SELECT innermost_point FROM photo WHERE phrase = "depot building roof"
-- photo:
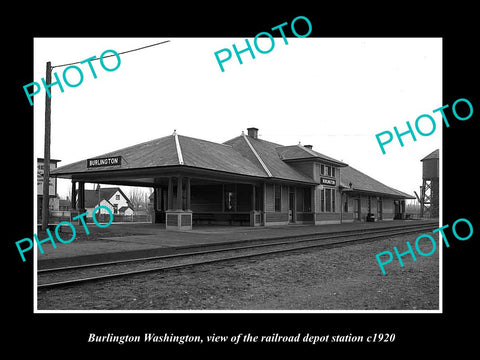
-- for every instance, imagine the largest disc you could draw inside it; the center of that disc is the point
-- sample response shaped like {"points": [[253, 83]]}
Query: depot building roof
{"points": [[353, 180], [245, 156], [161, 156]]}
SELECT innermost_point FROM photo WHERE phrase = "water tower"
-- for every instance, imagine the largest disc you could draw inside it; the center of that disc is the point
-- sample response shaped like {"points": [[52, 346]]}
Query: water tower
{"points": [[430, 189]]}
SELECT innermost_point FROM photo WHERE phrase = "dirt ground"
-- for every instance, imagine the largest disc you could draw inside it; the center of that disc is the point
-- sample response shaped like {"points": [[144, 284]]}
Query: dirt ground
{"points": [[342, 278]]}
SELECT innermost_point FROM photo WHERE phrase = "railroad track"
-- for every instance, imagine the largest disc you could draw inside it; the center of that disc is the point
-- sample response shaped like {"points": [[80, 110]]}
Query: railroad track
{"points": [[80, 274]]}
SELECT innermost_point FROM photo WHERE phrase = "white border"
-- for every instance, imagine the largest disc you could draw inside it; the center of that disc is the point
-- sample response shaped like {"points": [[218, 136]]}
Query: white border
{"points": [[440, 310]]}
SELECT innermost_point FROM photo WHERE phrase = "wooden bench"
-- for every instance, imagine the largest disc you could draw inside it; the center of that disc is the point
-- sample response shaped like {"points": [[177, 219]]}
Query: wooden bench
{"points": [[242, 218]]}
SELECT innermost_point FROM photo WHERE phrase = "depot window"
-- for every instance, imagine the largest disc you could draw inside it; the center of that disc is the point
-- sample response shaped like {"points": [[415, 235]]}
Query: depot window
{"points": [[327, 200], [307, 199], [326, 170], [278, 198]]}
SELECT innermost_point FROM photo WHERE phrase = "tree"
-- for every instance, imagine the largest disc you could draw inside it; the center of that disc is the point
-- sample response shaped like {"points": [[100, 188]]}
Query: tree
{"points": [[137, 198]]}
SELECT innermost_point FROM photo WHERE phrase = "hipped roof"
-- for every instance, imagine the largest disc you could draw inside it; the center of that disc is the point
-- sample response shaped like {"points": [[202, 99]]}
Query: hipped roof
{"points": [[242, 155], [273, 166], [196, 153], [162, 152]]}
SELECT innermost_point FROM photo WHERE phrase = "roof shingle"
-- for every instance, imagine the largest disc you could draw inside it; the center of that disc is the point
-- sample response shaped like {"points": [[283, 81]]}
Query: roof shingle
{"points": [[221, 157], [234, 156], [365, 183], [297, 152], [158, 152]]}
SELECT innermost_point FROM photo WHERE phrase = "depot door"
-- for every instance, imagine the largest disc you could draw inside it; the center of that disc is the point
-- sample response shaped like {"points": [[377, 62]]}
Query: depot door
{"points": [[356, 209], [291, 205], [379, 209]]}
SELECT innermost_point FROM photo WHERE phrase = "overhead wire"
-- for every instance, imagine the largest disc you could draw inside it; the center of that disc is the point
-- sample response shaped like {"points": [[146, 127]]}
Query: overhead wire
{"points": [[123, 52]]}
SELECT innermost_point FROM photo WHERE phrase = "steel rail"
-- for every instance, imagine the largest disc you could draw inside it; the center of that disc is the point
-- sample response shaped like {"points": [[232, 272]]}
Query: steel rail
{"points": [[364, 238], [235, 246]]}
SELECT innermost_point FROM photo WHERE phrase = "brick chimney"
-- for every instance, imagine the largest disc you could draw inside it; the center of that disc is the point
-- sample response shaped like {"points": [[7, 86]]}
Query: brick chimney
{"points": [[253, 132]]}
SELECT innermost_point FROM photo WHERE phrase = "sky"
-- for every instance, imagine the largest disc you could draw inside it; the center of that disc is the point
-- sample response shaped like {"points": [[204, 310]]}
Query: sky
{"points": [[333, 93]]}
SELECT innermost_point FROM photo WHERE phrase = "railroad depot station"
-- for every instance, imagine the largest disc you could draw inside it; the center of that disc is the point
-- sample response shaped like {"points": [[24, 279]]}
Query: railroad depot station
{"points": [[244, 181]]}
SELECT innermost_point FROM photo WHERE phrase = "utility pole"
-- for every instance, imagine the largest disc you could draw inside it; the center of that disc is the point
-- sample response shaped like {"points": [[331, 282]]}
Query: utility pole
{"points": [[46, 156]]}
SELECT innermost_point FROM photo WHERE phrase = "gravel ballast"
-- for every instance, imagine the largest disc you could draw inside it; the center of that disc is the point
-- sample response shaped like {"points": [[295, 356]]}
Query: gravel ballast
{"points": [[341, 278]]}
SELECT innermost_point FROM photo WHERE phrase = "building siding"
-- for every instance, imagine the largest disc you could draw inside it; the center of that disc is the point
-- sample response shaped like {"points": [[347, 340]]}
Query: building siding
{"points": [[277, 217], [327, 218]]}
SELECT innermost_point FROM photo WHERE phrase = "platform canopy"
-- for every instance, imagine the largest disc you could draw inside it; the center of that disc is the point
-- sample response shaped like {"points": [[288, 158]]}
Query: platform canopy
{"points": [[152, 162]]}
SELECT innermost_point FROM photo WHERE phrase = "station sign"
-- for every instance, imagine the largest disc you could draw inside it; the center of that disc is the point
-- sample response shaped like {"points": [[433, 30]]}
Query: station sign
{"points": [[325, 181], [105, 161]]}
